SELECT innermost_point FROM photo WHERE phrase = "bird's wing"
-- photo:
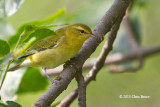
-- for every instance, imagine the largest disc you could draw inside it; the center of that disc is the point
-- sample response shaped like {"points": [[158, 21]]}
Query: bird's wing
{"points": [[46, 43]]}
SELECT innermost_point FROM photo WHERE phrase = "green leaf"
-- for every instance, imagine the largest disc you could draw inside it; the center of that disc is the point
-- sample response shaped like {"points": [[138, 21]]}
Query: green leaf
{"points": [[4, 60], [31, 38], [4, 48], [136, 27], [10, 104], [31, 26], [32, 81], [51, 18], [40, 34]]}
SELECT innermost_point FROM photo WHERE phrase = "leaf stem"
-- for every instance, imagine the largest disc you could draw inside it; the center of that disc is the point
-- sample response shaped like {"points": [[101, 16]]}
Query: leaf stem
{"points": [[15, 49], [5, 73], [13, 56]]}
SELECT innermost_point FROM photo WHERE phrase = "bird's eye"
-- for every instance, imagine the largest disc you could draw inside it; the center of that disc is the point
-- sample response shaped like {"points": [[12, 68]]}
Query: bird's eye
{"points": [[82, 31]]}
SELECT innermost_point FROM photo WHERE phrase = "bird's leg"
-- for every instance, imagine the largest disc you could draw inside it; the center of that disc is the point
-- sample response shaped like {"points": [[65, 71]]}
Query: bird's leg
{"points": [[44, 70]]}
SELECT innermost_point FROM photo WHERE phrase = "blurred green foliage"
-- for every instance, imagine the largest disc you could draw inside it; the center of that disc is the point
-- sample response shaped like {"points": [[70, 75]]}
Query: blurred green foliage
{"points": [[26, 35], [10, 104], [32, 81], [31, 27], [5, 49]]}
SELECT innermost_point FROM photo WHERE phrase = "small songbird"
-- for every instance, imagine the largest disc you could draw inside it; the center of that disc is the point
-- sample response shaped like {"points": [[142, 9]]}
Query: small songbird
{"points": [[55, 50]]}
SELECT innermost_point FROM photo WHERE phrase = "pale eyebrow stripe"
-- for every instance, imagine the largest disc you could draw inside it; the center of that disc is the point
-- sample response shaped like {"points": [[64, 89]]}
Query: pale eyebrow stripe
{"points": [[81, 28]]}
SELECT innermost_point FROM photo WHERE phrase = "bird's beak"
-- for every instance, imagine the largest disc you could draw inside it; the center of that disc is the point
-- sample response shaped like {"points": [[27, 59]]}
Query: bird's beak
{"points": [[92, 35]]}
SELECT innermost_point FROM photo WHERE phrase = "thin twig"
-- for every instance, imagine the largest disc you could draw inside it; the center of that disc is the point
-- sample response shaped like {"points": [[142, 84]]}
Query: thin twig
{"points": [[81, 89], [120, 68], [134, 45], [5, 73], [17, 44], [11, 59], [115, 58]]}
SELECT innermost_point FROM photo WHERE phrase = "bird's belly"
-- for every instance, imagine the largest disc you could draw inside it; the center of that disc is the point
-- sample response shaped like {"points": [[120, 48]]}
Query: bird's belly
{"points": [[57, 60], [52, 58]]}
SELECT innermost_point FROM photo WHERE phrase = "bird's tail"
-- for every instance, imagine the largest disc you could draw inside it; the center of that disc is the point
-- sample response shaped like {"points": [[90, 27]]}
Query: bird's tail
{"points": [[14, 67]]}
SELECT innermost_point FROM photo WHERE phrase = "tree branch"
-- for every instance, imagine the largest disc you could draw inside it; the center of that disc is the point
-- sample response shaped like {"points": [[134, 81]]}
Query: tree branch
{"points": [[117, 10], [99, 63], [134, 45], [116, 58], [81, 89]]}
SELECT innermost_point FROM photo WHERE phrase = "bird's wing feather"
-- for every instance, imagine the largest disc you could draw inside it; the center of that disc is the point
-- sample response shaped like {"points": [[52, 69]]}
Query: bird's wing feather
{"points": [[46, 43]]}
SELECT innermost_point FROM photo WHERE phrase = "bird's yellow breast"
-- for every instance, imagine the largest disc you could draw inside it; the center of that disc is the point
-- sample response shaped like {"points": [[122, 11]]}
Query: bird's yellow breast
{"points": [[52, 58]]}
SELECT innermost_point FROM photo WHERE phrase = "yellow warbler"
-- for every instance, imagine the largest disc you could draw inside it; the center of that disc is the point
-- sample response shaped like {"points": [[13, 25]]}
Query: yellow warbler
{"points": [[57, 49]]}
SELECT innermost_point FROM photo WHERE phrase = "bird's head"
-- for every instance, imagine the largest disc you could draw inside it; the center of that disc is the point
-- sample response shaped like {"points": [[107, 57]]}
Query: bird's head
{"points": [[78, 31]]}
